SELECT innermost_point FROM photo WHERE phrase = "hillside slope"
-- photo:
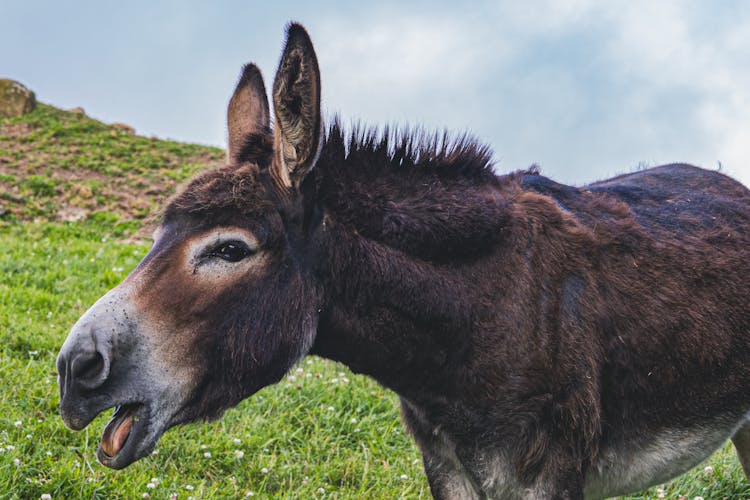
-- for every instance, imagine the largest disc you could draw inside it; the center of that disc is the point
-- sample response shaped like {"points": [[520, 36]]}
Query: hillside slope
{"points": [[62, 165]]}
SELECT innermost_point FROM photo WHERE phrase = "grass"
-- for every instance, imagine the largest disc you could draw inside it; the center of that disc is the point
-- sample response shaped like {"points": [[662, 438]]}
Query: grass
{"points": [[322, 433], [56, 165]]}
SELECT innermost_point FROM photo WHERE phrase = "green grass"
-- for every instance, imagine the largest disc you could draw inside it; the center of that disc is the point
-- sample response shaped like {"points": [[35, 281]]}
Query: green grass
{"points": [[324, 434]]}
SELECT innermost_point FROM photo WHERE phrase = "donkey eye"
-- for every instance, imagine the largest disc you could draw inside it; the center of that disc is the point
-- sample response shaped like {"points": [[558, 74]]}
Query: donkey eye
{"points": [[231, 251]]}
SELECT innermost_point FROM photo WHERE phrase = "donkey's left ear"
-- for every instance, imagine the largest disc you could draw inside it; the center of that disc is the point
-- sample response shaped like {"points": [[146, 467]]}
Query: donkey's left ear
{"points": [[296, 103]]}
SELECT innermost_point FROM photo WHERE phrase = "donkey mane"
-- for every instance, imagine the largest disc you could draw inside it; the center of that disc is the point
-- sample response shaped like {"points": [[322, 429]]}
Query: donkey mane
{"points": [[409, 148], [429, 195]]}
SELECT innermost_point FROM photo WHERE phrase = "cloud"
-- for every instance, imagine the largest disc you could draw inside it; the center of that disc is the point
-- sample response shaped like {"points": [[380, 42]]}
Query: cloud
{"points": [[668, 47], [384, 66], [587, 89]]}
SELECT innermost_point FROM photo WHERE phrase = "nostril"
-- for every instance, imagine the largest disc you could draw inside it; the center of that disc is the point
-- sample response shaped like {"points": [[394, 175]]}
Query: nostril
{"points": [[62, 370], [89, 369]]}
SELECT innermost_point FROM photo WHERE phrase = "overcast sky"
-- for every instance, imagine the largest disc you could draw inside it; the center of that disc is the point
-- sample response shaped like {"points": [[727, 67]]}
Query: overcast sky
{"points": [[586, 89]]}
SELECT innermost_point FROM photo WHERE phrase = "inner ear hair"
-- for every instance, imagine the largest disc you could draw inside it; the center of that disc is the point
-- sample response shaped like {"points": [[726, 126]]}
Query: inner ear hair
{"points": [[248, 115], [296, 101]]}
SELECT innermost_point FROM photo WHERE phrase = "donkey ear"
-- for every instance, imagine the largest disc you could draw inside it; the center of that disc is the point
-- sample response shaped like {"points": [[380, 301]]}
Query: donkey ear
{"points": [[296, 103], [247, 113]]}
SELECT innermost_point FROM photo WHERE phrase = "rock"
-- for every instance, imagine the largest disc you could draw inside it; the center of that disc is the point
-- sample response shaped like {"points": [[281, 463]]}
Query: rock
{"points": [[78, 111], [71, 214], [123, 127], [15, 99]]}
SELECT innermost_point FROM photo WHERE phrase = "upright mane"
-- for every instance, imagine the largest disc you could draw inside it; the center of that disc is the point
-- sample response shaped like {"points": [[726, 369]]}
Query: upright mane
{"points": [[409, 149], [429, 195]]}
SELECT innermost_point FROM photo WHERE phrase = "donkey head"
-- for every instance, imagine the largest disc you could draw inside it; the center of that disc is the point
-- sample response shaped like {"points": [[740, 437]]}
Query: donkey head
{"points": [[222, 305]]}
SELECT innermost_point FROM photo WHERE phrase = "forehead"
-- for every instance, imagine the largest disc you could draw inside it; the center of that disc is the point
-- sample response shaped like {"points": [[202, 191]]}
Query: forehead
{"points": [[222, 193]]}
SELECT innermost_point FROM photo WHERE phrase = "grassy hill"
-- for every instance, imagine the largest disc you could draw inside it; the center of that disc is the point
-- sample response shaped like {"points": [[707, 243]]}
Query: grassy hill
{"points": [[77, 203], [61, 166]]}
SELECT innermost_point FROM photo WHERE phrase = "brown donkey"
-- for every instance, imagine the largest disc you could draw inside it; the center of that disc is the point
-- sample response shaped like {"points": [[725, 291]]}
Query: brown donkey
{"points": [[546, 341]]}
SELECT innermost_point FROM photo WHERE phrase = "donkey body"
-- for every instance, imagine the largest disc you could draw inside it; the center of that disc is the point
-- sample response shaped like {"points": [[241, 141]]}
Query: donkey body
{"points": [[546, 341]]}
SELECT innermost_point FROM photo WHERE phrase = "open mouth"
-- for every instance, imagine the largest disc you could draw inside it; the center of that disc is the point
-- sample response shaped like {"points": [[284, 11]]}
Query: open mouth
{"points": [[122, 439]]}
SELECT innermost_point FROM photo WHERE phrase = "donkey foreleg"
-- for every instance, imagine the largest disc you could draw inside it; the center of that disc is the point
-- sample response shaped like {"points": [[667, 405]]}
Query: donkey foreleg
{"points": [[447, 481]]}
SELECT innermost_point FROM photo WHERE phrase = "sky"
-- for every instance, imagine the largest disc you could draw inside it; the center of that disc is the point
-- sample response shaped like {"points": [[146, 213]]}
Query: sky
{"points": [[583, 88]]}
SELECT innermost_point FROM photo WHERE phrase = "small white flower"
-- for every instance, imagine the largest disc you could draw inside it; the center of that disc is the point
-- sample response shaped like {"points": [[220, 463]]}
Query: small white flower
{"points": [[203, 447], [189, 487], [342, 374], [353, 420], [264, 470], [207, 454], [46, 496], [16, 462], [10, 447], [146, 495], [155, 480], [321, 490], [249, 494], [291, 378], [237, 440], [403, 477], [331, 408], [697, 498], [660, 493], [18, 423], [299, 371], [334, 381], [708, 469], [239, 453], [49, 453], [309, 361], [151, 486]]}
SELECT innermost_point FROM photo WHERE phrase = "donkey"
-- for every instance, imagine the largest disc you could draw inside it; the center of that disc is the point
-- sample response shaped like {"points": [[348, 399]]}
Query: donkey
{"points": [[546, 341]]}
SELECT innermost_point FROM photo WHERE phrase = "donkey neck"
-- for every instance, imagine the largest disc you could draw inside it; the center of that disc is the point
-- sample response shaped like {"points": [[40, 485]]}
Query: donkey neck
{"points": [[400, 306], [401, 221], [389, 315]]}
